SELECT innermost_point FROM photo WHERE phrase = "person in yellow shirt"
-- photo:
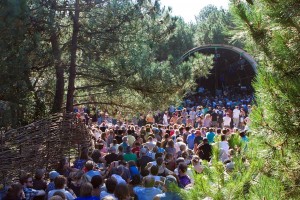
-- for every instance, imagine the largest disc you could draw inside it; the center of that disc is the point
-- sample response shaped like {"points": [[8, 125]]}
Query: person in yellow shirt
{"points": [[150, 118]]}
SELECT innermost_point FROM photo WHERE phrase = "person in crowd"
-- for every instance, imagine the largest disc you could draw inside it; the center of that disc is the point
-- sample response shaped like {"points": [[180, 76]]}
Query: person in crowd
{"points": [[124, 143], [242, 118], [223, 144], [129, 155], [227, 121], [120, 152], [27, 183], [148, 192], [112, 156], [150, 144], [150, 118], [90, 168], [214, 118], [198, 139], [63, 167], [59, 195], [173, 119], [86, 192], [97, 182], [236, 116], [210, 135], [110, 138], [39, 183], [166, 119], [190, 139], [204, 150], [122, 192], [60, 184], [170, 149], [135, 182], [193, 116], [76, 180], [169, 194], [84, 156], [207, 120], [196, 162], [184, 179], [110, 184], [15, 192], [130, 136], [143, 161], [52, 176]]}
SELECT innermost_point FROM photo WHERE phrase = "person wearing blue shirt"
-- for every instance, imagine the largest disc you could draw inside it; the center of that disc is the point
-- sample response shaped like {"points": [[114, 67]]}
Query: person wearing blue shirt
{"points": [[149, 191], [89, 165], [190, 140], [210, 136]]}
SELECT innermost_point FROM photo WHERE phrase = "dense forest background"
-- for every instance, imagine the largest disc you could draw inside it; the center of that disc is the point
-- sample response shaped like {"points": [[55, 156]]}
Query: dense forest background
{"points": [[110, 54], [122, 54]]}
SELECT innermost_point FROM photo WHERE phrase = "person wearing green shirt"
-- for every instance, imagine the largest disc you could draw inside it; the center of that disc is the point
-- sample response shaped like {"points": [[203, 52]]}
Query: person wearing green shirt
{"points": [[129, 155]]}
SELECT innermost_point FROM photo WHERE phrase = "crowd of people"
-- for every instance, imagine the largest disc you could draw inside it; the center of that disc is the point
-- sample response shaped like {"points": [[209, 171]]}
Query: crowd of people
{"points": [[141, 158]]}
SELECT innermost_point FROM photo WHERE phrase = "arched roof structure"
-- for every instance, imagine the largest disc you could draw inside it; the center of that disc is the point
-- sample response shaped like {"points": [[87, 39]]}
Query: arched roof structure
{"points": [[242, 53]]}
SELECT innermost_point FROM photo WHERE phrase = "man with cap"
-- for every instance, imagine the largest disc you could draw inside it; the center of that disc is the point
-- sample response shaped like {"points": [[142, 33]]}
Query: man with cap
{"points": [[144, 160], [168, 195], [52, 176]]}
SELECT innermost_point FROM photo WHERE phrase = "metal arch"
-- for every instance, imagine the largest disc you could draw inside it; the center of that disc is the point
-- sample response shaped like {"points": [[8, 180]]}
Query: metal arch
{"points": [[243, 53]]}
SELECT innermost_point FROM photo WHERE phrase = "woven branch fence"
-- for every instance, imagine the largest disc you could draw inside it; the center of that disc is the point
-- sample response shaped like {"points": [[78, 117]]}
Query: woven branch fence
{"points": [[41, 144]]}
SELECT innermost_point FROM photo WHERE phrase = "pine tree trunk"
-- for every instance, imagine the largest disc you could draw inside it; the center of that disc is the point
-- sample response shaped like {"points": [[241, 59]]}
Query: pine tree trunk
{"points": [[72, 68], [59, 70]]}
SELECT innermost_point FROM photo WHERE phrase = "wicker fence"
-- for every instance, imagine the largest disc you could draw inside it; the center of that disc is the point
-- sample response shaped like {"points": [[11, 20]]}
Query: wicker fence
{"points": [[41, 144]]}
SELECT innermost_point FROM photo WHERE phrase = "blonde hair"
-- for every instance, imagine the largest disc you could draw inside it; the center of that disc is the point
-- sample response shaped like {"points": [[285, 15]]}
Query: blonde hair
{"points": [[207, 116]]}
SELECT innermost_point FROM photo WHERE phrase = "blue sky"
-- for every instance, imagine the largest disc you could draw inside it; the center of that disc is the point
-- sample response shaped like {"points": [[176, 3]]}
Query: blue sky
{"points": [[187, 9]]}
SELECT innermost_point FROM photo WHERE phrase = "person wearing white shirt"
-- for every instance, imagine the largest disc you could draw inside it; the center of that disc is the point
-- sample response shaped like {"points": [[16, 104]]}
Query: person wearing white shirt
{"points": [[227, 121], [236, 116], [223, 144], [193, 115], [165, 119]]}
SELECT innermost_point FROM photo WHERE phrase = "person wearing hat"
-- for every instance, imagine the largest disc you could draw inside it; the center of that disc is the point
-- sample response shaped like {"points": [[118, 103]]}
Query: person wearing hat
{"points": [[52, 176], [168, 195], [143, 161]]}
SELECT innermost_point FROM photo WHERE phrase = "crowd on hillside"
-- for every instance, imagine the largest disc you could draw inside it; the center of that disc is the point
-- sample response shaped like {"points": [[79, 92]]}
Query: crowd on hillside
{"points": [[142, 157]]}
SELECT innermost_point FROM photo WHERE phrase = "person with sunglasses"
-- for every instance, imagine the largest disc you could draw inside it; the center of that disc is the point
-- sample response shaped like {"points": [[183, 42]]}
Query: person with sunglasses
{"points": [[27, 182]]}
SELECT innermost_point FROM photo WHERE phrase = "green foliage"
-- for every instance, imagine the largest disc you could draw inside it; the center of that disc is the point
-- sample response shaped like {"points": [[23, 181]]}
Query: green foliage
{"points": [[248, 180], [212, 26], [127, 58], [273, 29], [234, 141]]}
